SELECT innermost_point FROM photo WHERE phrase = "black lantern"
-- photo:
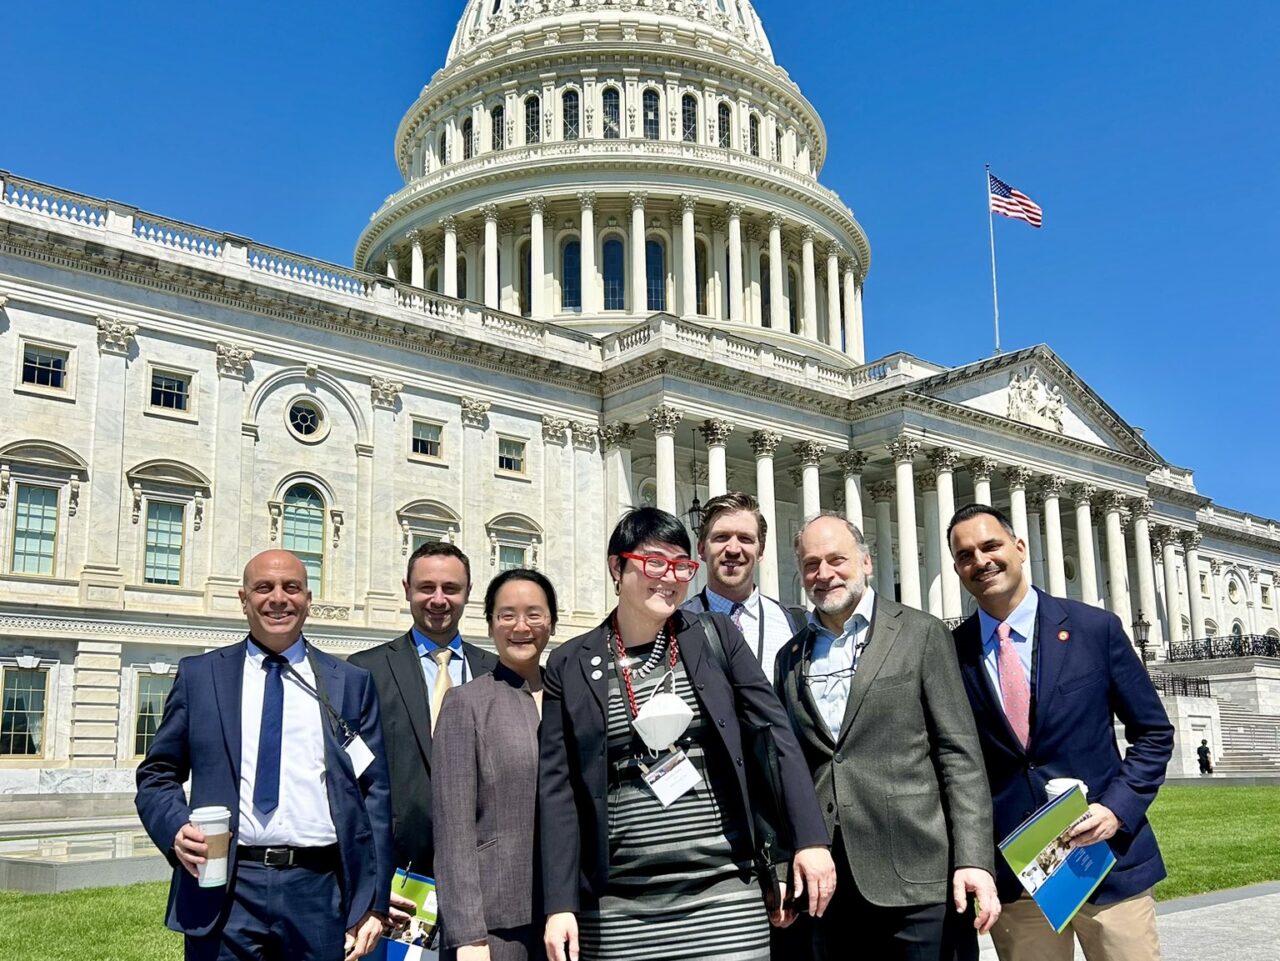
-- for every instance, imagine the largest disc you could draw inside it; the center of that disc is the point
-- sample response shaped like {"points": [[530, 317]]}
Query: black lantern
{"points": [[693, 516], [1141, 633]]}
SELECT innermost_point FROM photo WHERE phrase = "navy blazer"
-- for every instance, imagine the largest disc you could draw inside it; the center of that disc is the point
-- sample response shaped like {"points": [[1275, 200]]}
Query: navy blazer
{"points": [[1087, 674], [199, 737], [573, 769]]}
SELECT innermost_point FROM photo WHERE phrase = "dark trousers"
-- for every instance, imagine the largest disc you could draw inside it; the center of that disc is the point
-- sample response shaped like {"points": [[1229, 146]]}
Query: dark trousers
{"points": [[793, 943], [854, 927], [277, 914]]}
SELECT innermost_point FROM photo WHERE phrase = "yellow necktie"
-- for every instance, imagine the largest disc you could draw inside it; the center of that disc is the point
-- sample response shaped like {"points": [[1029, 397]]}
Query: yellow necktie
{"points": [[443, 681]]}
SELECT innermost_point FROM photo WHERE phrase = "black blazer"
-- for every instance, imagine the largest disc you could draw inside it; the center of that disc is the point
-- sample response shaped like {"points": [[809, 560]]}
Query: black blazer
{"points": [[1086, 676], [573, 770], [406, 725]]}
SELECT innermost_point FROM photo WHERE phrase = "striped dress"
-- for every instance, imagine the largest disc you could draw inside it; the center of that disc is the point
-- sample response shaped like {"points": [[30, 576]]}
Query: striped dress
{"points": [[680, 881]]}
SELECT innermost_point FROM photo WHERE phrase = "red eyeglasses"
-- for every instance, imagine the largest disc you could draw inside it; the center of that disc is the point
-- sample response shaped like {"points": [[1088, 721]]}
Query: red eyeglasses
{"points": [[656, 566]]}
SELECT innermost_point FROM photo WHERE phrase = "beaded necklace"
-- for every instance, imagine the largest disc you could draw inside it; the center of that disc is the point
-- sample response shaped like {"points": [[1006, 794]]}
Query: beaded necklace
{"points": [[654, 658]]}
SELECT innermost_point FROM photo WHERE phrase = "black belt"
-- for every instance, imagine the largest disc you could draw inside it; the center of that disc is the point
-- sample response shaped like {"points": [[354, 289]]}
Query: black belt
{"points": [[284, 856]]}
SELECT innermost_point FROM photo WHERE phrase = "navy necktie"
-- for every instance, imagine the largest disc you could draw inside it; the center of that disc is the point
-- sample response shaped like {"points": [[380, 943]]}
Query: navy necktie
{"points": [[266, 779]]}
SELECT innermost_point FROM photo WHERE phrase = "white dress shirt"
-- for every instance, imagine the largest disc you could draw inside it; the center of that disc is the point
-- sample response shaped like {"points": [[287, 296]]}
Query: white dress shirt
{"points": [[303, 818], [1022, 628], [777, 626], [835, 659]]}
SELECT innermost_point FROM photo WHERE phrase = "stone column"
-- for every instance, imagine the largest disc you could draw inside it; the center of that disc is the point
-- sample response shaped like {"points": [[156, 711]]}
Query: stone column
{"points": [[810, 454], [1252, 604], [616, 440], [1140, 509], [715, 433], [927, 488], [1051, 490], [417, 271], [851, 463], [1215, 585], [1167, 539], [903, 450], [857, 316], [587, 246], [764, 443], [475, 467], [688, 257], [833, 295], [809, 315], [777, 276], [735, 263], [664, 419], [639, 272], [882, 495], [1117, 560], [378, 530], [852, 331], [944, 461], [1083, 494], [449, 282], [1016, 478], [1191, 563], [391, 264], [95, 703], [491, 292], [537, 258], [1035, 546], [754, 280], [982, 468]]}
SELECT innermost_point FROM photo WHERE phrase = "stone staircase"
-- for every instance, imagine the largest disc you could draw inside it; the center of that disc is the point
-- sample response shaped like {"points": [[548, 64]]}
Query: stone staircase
{"points": [[1250, 742]]}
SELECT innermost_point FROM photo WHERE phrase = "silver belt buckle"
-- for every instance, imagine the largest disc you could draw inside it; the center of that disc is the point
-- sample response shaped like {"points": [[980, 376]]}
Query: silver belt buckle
{"points": [[278, 857]]}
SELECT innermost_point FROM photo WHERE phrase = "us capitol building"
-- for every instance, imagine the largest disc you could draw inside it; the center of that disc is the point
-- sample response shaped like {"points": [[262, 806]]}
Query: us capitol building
{"points": [[612, 277]]}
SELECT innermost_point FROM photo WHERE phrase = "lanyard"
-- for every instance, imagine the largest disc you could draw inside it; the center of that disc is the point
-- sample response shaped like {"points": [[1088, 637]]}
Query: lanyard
{"points": [[626, 671], [314, 690], [706, 606]]}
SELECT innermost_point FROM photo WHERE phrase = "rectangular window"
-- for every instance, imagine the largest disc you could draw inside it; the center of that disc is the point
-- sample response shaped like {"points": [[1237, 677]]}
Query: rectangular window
{"points": [[163, 564], [426, 439], [35, 529], [419, 539], [509, 558], [1265, 595], [170, 391], [44, 367], [1204, 585], [511, 455], [22, 712], [153, 689]]}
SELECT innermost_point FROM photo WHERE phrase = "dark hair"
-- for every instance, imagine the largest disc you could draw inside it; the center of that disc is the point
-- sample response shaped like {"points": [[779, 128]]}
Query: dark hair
{"points": [[519, 574], [647, 525], [970, 511], [438, 549], [727, 504]]}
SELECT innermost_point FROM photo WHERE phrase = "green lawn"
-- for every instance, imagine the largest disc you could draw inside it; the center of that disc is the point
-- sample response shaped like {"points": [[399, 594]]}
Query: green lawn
{"points": [[1212, 838]]}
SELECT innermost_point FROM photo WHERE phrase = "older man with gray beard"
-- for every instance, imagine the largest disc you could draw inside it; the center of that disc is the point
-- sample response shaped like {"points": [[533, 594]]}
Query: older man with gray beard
{"points": [[874, 693]]}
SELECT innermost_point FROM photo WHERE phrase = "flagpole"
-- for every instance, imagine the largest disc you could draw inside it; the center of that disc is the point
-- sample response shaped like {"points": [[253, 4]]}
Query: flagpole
{"points": [[991, 229]]}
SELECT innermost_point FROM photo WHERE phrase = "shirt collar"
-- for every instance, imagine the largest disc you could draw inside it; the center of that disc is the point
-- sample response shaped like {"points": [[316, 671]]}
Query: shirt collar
{"points": [[722, 605], [295, 653], [1022, 620], [866, 607], [425, 645]]}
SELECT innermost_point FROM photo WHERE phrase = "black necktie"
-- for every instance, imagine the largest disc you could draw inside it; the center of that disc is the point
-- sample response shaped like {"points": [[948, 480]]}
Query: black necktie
{"points": [[266, 781]]}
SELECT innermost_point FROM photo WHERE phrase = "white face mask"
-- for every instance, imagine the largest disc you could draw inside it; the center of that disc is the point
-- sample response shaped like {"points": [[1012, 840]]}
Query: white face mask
{"points": [[663, 719]]}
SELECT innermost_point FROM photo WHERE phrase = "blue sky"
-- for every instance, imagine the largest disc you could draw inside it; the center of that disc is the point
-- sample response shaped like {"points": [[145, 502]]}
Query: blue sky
{"points": [[1144, 129]]}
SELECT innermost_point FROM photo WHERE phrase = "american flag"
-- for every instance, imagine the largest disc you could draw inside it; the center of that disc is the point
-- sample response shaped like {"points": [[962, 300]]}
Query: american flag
{"points": [[1008, 202]]}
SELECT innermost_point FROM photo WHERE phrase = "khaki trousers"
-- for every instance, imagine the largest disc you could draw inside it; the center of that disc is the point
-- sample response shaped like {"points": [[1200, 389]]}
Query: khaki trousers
{"points": [[1123, 931]]}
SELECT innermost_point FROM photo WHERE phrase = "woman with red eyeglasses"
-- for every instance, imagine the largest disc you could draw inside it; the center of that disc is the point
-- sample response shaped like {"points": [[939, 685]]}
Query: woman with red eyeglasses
{"points": [[642, 793]]}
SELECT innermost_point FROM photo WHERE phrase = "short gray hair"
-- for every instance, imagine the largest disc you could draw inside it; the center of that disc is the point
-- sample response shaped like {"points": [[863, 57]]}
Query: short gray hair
{"points": [[853, 529]]}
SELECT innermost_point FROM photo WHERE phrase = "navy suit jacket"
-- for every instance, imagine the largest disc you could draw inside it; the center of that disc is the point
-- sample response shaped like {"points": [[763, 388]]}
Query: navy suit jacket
{"points": [[1087, 674], [199, 737]]}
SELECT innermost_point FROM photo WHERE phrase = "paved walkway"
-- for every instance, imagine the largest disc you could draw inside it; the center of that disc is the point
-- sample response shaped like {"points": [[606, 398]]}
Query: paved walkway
{"points": [[1238, 925]]}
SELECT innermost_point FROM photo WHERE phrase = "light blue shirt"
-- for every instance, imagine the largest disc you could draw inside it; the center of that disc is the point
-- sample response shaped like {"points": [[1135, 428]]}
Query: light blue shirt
{"points": [[457, 663], [1022, 624], [835, 660]]}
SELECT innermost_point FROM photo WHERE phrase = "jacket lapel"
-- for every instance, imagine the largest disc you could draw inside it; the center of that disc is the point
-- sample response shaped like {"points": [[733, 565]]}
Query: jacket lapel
{"points": [[881, 634], [1051, 653], [228, 684], [974, 670], [593, 660], [804, 692], [479, 661], [406, 668]]}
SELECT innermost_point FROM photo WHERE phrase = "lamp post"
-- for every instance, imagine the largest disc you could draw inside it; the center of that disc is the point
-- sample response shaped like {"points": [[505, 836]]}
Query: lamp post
{"points": [[693, 516], [1141, 632]]}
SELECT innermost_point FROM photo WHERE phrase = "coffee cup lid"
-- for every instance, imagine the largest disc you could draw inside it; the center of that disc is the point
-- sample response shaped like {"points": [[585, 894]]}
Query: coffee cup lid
{"points": [[213, 813]]}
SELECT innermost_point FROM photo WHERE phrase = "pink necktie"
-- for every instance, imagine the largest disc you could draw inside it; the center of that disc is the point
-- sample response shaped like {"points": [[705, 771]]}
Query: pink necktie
{"points": [[1014, 689]]}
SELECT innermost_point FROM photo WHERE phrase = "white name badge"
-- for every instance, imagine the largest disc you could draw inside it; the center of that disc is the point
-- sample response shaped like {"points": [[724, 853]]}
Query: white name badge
{"points": [[361, 756], [671, 778]]}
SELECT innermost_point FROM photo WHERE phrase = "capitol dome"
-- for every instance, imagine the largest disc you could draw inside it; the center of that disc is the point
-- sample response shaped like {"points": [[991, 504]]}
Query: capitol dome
{"points": [[590, 163]]}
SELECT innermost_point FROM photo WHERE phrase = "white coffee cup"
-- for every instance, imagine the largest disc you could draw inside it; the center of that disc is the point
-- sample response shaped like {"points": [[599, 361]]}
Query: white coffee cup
{"points": [[1059, 786], [215, 824]]}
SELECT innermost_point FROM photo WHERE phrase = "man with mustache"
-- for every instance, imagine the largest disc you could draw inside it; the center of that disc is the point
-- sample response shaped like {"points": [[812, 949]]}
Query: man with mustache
{"points": [[1048, 678], [874, 694], [412, 674]]}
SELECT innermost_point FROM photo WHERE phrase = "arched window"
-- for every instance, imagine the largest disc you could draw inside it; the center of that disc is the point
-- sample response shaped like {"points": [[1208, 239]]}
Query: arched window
{"points": [[700, 278], [651, 123], [461, 279], [612, 114], [572, 112], [1237, 629], [725, 126], [766, 292], [442, 148], [533, 120], [468, 139], [498, 125], [689, 118], [778, 144], [655, 269], [615, 275], [526, 281], [497, 6], [793, 284], [753, 131], [302, 531], [571, 276]]}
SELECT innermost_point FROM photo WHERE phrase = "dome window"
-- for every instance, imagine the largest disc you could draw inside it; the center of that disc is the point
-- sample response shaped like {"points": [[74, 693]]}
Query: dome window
{"points": [[571, 276], [650, 103], [753, 131], [615, 277], [689, 118], [533, 120], [725, 124], [655, 262], [612, 114], [442, 148], [468, 139], [570, 104]]}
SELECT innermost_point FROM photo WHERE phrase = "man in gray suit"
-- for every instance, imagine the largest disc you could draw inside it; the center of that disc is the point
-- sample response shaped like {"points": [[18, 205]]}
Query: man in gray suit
{"points": [[874, 693]]}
